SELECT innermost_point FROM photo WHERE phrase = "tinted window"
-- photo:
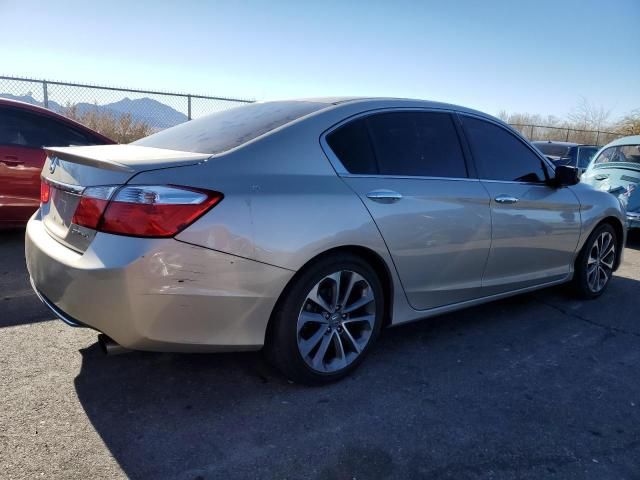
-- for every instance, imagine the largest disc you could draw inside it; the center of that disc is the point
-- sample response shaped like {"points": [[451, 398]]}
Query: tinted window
{"points": [[404, 143], [585, 155], [500, 155], [417, 144], [351, 145], [231, 128], [28, 129]]}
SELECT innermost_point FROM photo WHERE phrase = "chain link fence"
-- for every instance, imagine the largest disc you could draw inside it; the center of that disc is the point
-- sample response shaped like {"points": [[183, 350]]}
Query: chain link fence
{"points": [[127, 114], [565, 134], [120, 113]]}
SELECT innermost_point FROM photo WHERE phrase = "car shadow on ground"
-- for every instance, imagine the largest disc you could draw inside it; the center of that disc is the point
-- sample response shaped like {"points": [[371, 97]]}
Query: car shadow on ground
{"points": [[539, 383], [633, 239], [18, 304]]}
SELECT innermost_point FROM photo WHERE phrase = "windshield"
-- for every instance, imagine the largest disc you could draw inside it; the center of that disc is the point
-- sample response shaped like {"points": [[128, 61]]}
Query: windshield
{"points": [[228, 129], [553, 149], [621, 153], [585, 154]]}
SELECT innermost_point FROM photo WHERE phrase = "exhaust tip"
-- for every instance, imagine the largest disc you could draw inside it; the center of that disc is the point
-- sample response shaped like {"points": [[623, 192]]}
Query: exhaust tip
{"points": [[109, 346]]}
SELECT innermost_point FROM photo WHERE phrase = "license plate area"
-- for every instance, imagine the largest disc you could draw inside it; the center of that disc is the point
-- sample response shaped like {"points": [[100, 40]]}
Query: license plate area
{"points": [[57, 213]]}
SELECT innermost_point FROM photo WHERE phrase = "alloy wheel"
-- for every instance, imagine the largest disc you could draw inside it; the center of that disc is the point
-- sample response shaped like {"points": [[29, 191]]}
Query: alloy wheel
{"points": [[336, 321], [600, 261]]}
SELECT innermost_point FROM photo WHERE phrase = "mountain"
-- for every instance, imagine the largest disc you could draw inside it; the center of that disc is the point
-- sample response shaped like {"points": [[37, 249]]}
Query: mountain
{"points": [[147, 110]]}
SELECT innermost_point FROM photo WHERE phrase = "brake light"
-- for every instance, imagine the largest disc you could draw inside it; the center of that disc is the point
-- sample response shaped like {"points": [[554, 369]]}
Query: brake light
{"points": [[143, 210], [45, 192], [92, 204]]}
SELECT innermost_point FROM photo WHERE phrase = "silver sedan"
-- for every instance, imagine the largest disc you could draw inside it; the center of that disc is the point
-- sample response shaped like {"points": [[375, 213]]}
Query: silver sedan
{"points": [[306, 226]]}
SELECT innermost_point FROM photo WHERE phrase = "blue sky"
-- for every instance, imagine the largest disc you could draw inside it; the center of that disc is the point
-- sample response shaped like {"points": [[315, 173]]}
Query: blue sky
{"points": [[521, 56]]}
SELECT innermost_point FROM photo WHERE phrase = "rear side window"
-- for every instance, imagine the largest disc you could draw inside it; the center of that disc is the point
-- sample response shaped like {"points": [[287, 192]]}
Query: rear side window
{"points": [[26, 129], [351, 145], [400, 143], [500, 155]]}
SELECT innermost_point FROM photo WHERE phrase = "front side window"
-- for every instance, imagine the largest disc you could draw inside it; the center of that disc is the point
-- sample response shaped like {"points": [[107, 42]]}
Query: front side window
{"points": [[622, 153], [400, 144], [500, 155]]}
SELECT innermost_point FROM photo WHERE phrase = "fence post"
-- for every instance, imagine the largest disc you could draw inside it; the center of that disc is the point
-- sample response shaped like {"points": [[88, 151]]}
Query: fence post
{"points": [[531, 134], [567, 137], [45, 94], [597, 137], [189, 107]]}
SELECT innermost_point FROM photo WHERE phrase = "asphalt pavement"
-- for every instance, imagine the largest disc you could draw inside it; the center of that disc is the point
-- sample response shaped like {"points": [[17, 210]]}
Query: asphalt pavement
{"points": [[535, 386]]}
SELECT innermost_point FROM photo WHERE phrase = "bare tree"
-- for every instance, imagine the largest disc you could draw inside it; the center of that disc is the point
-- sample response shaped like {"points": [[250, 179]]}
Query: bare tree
{"points": [[587, 116]]}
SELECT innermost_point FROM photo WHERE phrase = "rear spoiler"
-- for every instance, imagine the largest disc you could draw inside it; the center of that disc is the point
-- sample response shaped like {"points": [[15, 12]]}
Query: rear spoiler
{"points": [[125, 158], [66, 154]]}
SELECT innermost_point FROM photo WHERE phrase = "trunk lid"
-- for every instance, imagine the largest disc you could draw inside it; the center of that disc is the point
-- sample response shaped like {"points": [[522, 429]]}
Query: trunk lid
{"points": [[69, 170]]}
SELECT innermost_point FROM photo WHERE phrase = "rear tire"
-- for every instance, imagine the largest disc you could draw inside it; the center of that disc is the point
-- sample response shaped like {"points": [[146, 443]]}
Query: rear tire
{"points": [[595, 263], [326, 320]]}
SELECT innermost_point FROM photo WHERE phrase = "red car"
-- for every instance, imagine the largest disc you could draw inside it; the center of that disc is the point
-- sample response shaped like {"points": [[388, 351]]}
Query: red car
{"points": [[24, 130]]}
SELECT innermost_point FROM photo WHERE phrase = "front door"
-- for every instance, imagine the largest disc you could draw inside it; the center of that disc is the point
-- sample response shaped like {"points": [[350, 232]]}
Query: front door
{"points": [[535, 226]]}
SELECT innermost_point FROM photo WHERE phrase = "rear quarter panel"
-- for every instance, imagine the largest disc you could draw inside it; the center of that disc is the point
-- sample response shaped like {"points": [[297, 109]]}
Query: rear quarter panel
{"points": [[283, 203]]}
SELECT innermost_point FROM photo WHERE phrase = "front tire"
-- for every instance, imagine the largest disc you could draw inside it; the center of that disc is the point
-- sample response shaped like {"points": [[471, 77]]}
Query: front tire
{"points": [[327, 320], [595, 264]]}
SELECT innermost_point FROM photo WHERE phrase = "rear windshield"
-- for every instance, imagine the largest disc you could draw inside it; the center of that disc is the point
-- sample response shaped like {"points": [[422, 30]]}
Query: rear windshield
{"points": [[228, 129], [622, 153], [553, 149], [585, 154]]}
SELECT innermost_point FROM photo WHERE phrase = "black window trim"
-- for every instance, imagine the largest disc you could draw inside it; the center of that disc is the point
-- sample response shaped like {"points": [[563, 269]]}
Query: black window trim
{"points": [[546, 162], [343, 172]]}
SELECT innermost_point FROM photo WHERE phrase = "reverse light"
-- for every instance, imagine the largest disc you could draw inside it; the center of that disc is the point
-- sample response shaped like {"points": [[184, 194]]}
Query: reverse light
{"points": [[143, 210]]}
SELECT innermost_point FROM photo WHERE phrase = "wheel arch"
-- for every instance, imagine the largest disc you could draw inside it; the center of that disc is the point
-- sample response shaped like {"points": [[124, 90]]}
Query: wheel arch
{"points": [[617, 226], [370, 256]]}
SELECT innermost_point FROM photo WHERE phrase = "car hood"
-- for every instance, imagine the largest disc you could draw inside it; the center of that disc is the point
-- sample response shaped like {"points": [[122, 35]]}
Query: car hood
{"points": [[622, 182]]}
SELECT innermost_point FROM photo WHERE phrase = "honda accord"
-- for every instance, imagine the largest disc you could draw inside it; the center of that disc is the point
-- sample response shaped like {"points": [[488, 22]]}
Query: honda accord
{"points": [[306, 226]]}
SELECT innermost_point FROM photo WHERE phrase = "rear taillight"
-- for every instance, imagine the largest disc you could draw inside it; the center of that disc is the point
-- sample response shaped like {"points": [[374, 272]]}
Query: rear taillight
{"points": [[144, 210], [45, 192], [92, 204]]}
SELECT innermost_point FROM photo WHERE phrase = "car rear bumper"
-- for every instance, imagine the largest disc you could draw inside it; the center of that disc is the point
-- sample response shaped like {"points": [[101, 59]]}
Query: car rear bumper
{"points": [[155, 294]]}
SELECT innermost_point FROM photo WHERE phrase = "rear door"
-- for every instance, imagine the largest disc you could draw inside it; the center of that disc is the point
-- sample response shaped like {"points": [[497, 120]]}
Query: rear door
{"points": [[535, 226], [409, 169]]}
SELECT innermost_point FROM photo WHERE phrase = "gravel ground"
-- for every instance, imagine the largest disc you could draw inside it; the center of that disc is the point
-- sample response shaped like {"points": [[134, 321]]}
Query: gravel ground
{"points": [[536, 386]]}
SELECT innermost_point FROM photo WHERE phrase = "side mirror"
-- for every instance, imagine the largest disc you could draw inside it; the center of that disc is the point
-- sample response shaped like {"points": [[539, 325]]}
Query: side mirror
{"points": [[566, 176]]}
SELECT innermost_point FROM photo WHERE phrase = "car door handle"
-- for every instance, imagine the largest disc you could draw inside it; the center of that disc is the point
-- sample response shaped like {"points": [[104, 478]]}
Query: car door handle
{"points": [[384, 196], [506, 199], [12, 160]]}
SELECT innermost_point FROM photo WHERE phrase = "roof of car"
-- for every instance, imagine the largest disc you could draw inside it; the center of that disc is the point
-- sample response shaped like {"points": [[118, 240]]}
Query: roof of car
{"points": [[397, 102], [563, 144], [631, 140]]}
